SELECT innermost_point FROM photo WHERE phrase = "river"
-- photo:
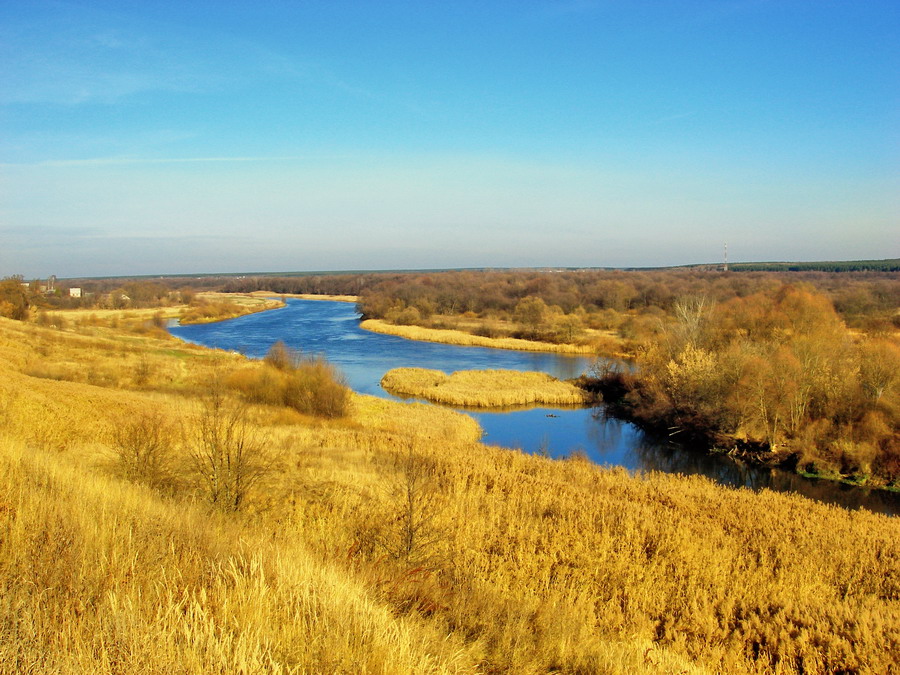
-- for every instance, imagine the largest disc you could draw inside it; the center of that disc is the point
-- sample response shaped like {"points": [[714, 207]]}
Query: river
{"points": [[332, 330]]}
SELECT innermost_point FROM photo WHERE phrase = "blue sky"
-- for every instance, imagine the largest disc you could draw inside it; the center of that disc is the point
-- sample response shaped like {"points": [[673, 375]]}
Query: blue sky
{"points": [[143, 137]]}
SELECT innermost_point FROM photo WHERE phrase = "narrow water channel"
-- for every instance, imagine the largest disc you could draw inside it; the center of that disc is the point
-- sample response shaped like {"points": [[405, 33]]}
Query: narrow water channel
{"points": [[332, 330]]}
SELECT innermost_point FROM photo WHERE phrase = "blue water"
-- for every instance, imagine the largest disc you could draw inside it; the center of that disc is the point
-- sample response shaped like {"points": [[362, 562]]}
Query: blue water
{"points": [[331, 329]]}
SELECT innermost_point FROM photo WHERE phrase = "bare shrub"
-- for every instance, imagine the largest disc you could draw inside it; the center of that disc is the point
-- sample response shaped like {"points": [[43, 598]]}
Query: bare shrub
{"points": [[57, 321], [143, 448], [282, 357], [316, 388], [485, 329], [410, 532], [258, 385], [226, 453], [308, 384], [142, 371], [403, 539], [408, 317]]}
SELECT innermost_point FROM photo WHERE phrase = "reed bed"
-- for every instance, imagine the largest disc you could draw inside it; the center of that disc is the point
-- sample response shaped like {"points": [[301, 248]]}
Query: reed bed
{"points": [[305, 296], [390, 541], [211, 307], [483, 388], [458, 337]]}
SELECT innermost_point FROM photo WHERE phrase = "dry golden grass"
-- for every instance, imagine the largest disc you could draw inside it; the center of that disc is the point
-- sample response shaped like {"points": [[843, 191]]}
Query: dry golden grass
{"points": [[104, 316], [392, 542], [305, 296], [248, 300], [482, 388], [458, 337], [209, 307], [102, 576]]}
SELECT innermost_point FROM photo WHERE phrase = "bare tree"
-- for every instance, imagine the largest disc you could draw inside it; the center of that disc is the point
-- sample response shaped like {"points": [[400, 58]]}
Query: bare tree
{"points": [[412, 534], [226, 453], [692, 313], [142, 444]]}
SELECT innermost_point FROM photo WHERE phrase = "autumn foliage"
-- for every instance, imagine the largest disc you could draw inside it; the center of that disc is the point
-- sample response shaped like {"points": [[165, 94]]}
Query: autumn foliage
{"points": [[308, 384], [13, 299], [777, 369]]}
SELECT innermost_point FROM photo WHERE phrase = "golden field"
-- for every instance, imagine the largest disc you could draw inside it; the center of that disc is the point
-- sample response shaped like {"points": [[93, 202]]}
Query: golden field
{"points": [[389, 541], [482, 388], [205, 307]]}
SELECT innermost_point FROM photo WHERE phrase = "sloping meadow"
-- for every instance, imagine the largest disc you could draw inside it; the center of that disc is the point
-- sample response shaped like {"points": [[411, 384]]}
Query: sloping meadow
{"points": [[390, 541]]}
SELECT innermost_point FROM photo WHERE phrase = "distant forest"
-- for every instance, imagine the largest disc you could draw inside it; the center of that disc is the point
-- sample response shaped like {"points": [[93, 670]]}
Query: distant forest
{"points": [[890, 265], [860, 297], [864, 293]]}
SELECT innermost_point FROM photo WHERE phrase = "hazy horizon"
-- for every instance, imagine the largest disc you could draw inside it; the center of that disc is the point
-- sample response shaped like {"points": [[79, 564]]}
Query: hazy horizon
{"points": [[425, 270], [224, 137]]}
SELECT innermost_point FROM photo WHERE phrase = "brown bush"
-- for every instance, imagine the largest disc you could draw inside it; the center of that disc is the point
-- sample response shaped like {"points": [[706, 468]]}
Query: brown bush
{"points": [[282, 357], [308, 384], [316, 388], [143, 448], [886, 465], [226, 451]]}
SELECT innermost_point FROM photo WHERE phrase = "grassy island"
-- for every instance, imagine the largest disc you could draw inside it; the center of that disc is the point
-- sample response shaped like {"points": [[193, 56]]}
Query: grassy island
{"points": [[482, 388], [458, 337]]}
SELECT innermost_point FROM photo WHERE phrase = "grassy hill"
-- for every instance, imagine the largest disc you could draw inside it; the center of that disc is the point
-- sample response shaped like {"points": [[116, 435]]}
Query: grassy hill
{"points": [[387, 540]]}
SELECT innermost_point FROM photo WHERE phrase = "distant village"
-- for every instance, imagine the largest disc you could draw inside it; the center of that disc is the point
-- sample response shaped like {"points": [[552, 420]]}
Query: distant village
{"points": [[50, 288], [106, 293]]}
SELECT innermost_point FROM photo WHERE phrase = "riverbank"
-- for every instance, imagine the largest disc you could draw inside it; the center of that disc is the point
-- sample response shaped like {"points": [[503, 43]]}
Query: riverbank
{"points": [[483, 388], [621, 395], [461, 338], [305, 296], [447, 336], [211, 307]]}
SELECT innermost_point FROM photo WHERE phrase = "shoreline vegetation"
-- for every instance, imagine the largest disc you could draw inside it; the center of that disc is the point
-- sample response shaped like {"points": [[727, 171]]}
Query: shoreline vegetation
{"points": [[775, 378], [385, 539], [618, 391], [794, 369], [713, 442], [483, 388], [799, 370], [302, 296], [462, 338], [213, 307]]}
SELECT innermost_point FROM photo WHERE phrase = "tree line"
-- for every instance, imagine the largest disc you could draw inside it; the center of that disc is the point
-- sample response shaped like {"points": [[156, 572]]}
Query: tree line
{"points": [[867, 300], [777, 371]]}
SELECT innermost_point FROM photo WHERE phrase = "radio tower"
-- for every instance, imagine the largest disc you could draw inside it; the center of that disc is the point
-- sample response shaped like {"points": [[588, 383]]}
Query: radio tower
{"points": [[725, 266]]}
